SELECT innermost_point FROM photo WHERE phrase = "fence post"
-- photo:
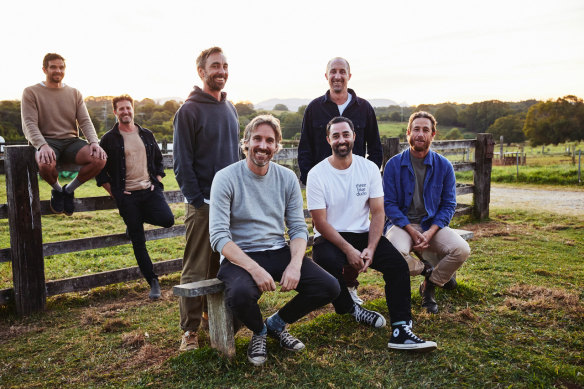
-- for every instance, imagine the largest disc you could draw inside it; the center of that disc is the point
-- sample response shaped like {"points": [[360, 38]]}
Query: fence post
{"points": [[390, 148], [482, 175], [24, 219]]}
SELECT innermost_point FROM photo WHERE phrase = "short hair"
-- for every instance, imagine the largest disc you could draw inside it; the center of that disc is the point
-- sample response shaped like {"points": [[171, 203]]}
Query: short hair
{"points": [[422, 115], [202, 58], [254, 124], [116, 100], [328, 65], [51, 57], [339, 119]]}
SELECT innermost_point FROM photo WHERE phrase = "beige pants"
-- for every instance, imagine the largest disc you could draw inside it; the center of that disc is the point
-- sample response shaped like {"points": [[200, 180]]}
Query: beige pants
{"points": [[199, 263], [447, 252]]}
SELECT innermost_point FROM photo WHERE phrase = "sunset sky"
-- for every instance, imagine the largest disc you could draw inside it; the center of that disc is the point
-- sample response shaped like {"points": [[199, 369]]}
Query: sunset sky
{"points": [[414, 52]]}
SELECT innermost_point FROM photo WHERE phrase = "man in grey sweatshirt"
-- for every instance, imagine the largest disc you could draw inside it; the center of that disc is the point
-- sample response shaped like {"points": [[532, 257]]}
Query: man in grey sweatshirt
{"points": [[206, 139], [252, 203]]}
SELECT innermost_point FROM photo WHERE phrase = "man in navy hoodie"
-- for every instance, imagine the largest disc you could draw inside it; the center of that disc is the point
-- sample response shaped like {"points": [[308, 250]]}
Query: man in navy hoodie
{"points": [[206, 139]]}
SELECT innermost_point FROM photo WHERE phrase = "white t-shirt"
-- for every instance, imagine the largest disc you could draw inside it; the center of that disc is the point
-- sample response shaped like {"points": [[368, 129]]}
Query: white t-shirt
{"points": [[344, 194], [344, 105]]}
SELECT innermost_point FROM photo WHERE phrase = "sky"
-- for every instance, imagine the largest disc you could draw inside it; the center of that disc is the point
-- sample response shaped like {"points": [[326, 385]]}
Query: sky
{"points": [[420, 52]]}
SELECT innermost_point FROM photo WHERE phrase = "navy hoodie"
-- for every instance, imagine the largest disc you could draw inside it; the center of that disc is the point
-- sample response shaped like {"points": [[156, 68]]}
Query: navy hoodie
{"points": [[206, 139]]}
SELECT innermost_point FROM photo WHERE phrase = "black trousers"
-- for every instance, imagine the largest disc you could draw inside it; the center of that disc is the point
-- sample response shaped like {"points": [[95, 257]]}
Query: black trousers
{"points": [[386, 259], [315, 288], [144, 206]]}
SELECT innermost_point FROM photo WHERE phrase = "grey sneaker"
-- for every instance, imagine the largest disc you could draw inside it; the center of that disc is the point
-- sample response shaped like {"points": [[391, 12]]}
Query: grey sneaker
{"points": [[287, 341], [257, 352], [402, 338], [154, 290], [353, 292], [371, 318]]}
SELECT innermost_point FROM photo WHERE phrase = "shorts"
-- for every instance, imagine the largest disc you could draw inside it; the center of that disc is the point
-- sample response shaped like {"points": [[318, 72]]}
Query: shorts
{"points": [[66, 149]]}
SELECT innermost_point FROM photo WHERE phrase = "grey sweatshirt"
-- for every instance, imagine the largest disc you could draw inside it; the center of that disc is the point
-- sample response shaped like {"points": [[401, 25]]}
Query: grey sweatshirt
{"points": [[206, 139], [252, 210]]}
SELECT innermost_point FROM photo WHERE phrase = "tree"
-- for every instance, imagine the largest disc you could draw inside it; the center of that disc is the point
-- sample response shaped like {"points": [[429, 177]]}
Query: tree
{"points": [[510, 127], [447, 116], [477, 117], [454, 133], [244, 108], [280, 107], [291, 123], [301, 109], [555, 121], [395, 117]]}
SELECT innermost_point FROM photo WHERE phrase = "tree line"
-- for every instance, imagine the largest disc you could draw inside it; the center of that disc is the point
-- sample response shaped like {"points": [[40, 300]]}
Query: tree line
{"points": [[539, 122]]}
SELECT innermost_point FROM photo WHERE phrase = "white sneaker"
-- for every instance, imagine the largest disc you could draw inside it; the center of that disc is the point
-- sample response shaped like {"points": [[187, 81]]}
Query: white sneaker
{"points": [[353, 292]]}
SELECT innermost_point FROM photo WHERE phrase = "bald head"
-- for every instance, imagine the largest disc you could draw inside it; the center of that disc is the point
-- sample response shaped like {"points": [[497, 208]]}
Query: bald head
{"points": [[338, 59]]}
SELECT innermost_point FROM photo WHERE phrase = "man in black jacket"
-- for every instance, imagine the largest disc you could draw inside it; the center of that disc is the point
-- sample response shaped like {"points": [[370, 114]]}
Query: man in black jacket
{"points": [[132, 176]]}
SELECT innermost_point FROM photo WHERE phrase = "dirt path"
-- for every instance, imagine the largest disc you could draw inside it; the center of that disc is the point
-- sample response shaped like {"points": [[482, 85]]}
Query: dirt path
{"points": [[557, 201]]}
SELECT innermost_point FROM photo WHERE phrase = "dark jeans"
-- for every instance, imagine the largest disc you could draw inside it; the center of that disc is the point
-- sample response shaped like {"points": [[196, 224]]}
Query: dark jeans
{"points": [[315, 288], [144, 206], [386, 259]]}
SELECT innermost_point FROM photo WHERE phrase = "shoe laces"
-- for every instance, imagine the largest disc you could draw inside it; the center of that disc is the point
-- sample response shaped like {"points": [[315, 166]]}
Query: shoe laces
{"points": [[365, 316], [258, 344], [408, 330], [287, 339]]}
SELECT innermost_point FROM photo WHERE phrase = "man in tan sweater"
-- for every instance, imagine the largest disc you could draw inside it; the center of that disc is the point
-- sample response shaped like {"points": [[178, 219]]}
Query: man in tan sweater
{"points": [[51, 114]]}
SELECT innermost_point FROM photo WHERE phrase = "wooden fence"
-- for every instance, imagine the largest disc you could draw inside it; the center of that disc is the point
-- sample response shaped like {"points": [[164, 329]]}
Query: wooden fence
{"points": [[27, 250]]}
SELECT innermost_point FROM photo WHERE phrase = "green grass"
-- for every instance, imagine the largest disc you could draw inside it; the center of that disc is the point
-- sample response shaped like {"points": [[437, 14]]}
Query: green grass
{"points": [[85, 225], [544, 175], [516, 320]]}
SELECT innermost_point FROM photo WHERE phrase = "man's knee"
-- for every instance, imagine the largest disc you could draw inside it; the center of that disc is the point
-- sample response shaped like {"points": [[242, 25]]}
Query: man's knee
{"points": [[240, 296], [462, 251], [168, 221]]}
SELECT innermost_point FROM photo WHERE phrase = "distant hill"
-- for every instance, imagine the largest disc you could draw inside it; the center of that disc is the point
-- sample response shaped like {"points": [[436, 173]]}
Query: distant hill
{"points": [[293, 104]]}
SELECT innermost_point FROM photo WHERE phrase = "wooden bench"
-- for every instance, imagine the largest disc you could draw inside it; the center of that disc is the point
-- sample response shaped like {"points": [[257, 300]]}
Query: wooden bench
{"points": [[220, 317]]}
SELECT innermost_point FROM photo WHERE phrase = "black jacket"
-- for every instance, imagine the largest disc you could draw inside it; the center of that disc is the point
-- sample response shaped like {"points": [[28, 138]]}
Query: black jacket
{"points": [[114, 171], [313, 146]]}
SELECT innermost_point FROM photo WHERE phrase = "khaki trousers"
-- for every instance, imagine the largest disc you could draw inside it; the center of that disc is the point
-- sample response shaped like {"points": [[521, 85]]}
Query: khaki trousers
{"points": [[199, 263], [447, 252]]}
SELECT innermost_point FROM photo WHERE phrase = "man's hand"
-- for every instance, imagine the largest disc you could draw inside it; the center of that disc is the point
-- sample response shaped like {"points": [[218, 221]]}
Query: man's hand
{"points": [[354, 258], [96, 151], [46, 154], [108, 188], [367, 257], [159, 178], [419, 239], [263, 279], [290, 278]]}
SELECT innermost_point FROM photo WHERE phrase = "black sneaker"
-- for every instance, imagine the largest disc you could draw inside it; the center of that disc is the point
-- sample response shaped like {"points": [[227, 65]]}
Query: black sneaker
{"points": [[287, 341], [56, 201], [256, 351], [402, 338], [371, 318], [68, 205]]}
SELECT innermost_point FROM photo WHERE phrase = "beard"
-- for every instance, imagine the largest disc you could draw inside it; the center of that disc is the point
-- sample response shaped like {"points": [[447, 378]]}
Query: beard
{"points": [[345, 152], [212, 84], [260, 162], [417, 147]]}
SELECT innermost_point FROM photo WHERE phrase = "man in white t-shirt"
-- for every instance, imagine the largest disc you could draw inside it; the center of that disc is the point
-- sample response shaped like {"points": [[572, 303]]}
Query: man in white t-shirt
{"points": [[341, 191]]}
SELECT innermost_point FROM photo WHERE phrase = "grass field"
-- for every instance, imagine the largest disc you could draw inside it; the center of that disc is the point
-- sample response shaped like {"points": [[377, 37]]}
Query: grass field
{"points": [[516, 320]]}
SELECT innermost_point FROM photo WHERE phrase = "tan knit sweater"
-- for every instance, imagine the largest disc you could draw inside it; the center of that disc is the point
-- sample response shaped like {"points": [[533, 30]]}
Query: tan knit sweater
{"points": [[54, 113]]}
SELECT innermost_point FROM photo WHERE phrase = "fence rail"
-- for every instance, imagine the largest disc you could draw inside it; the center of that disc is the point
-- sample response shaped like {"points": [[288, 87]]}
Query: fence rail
{"points": [[27, 250]]}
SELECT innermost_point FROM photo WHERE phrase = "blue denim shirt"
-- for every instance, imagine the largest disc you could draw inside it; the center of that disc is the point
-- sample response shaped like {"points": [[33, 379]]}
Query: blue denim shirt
{"points": [[439, 190]]}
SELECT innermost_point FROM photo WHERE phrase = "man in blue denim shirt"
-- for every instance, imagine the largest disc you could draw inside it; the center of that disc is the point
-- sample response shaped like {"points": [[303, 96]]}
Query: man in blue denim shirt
{"points": [[420, 198]]}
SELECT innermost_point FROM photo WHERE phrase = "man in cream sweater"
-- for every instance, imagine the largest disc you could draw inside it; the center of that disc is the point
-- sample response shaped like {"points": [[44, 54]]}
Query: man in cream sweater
{"points": [[51, 114]]}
